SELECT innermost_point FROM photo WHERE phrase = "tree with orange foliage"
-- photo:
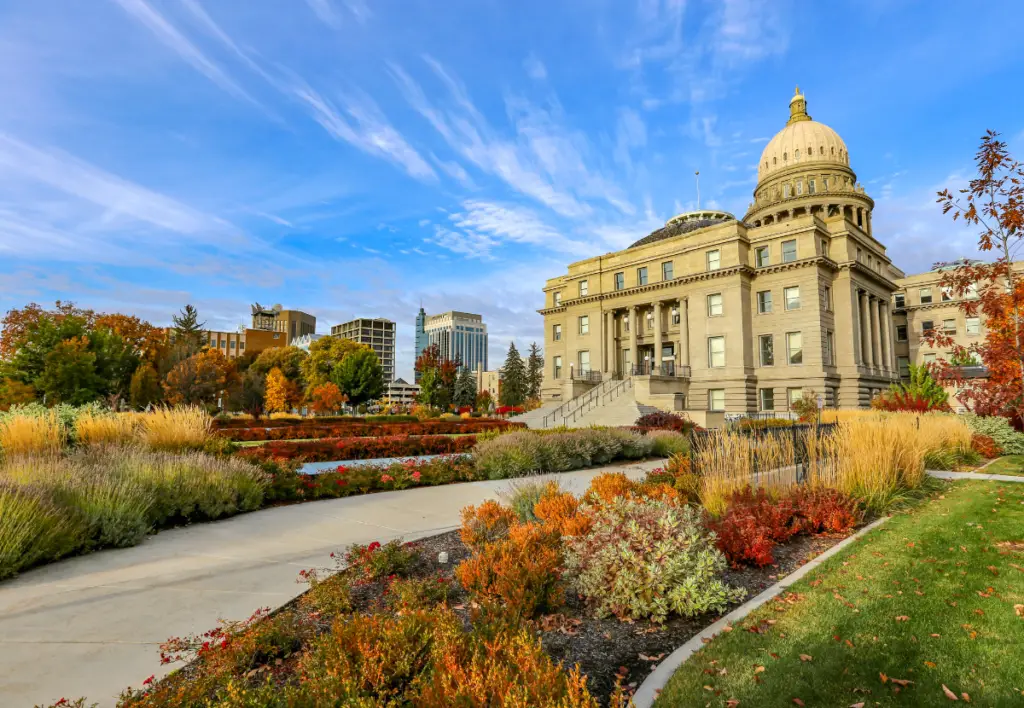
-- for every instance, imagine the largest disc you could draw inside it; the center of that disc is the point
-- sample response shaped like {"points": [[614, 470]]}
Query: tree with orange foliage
{"points": [[148, 342], [993, 201], [277, 392], [326, 399], [17, 326], [200, 379]]}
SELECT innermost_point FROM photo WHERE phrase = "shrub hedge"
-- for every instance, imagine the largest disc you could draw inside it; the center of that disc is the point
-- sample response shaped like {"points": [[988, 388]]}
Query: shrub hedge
{"points": [[528, 452]]}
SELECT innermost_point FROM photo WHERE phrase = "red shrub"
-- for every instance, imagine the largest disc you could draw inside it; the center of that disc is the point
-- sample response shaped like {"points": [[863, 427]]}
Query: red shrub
{"points": [[359, 448], [986, 446], [661, 420], [752, 524], [906, 401], [825, 510]]}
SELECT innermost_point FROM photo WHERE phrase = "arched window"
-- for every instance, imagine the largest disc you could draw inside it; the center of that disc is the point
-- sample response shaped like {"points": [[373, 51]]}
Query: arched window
{"points": [[796, 155], [833, 151], [821, 150], [775, 161], [785, 156]]}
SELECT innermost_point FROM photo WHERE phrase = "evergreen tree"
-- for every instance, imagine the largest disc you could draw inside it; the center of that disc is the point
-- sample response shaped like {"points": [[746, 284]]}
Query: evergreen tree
{"points": [[534, 371], [514, 385], [188, 330], [465, 388]]}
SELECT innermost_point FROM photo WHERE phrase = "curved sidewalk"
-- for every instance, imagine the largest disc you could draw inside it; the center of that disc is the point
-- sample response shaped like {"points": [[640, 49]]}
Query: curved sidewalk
{"points": [[91, 626]]}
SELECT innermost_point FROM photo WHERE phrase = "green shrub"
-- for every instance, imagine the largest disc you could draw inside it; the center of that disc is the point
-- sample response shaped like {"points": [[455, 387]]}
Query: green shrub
{"points": [[524, 452], [645, 558], [376, 561], [999, 429], [409, 594], [666, 443], [32, 530]]}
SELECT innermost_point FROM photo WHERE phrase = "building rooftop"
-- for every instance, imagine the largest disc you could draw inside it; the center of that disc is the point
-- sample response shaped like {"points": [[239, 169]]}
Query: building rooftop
{"points": [[686, 223]]}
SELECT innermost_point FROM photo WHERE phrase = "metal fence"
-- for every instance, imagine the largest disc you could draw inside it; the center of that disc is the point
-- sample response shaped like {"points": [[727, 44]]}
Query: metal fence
{"points": [[797, 434]]}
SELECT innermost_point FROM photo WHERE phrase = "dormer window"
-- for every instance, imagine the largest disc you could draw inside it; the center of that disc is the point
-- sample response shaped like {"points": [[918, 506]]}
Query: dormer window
{"points": [[785, 156], [796, 154]]}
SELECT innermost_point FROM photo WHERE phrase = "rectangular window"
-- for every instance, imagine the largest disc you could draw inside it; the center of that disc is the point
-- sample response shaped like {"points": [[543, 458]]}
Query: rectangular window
{"points": [[799, 187], [675, 315], [557, 362], [625, 323], [826, 298], [766, 398], [716, 399], [789, 251], [641, 276], [947, 294], [556, 332], [716, 352], [904, 364], [949, 326], [824, 248], [766, 346], [795, 347], [650, 320], [929, 358], [973, 325], [620, 281], [793, 395], [901, 333], [762, 256], [584, 324], [231, 344], [810, 187], [666, 270], [558, 299], [824, 183], [899, 301], [926, 296], [584, 358], [972, 290], [714, 259], [792, 297], [764, 301], [241, 345], [584, 288], [213, 342], [927, 326], [786, 191], [715, 305], [830, 348]]}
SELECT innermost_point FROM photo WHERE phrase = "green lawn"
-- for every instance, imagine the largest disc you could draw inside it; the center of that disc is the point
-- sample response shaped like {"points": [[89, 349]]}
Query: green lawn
{"points": [[1011, 464], [924, 601]]}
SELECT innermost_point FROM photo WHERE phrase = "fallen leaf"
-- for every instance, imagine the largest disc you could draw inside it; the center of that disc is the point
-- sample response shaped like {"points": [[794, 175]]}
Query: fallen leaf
{"points": [[949, 694], [806, 657], [885, 679], [727, 628], [967, 699], [798, 701], [902, 618], [758, 669], [901, 682], [857, 705], [930, 664], [732, 703], [992, 569]]}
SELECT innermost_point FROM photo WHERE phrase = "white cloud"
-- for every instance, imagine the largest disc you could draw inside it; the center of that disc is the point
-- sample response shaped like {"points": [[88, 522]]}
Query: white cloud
{"points": [[535, 68], [170, 36], [630, 133], [368, 130], [330, 16], [504, 222]]}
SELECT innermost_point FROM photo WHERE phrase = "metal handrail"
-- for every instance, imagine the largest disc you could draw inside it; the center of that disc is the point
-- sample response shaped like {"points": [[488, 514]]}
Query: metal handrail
{"points": [[603, 392]]}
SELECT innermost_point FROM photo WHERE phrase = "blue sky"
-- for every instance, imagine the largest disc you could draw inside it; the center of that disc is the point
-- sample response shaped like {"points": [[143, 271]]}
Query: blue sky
{"points": [[361, 157]]}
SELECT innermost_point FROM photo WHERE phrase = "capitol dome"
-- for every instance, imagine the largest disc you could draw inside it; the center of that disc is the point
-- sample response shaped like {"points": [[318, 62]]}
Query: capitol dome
{"points": [[802, 141]]}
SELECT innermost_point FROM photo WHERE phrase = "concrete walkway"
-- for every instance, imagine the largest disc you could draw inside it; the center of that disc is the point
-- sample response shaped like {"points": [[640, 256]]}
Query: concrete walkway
{"points": [[91, 626], [941, 474]]}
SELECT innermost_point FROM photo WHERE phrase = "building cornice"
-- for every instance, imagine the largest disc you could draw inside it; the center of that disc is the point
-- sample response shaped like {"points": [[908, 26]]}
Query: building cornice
{"points": [[860, 268]]}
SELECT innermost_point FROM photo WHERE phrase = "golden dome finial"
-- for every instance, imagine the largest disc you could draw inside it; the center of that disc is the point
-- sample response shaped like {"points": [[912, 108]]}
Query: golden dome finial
{"points": [[797, 92], [797, 108]]}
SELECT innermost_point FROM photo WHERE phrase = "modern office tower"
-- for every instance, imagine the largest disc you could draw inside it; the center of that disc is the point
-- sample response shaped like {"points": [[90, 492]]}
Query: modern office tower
{"points": [[378, 334], [459, 335]]}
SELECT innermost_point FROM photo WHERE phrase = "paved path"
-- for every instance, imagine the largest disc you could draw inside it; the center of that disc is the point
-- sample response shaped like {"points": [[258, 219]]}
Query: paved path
{"points": [[976, 476], [90, 626]]}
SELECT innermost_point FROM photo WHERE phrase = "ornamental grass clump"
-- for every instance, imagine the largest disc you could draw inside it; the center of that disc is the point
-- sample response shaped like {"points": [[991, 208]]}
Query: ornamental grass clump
{"points": [[106, 428], [645, 558], [665, 443], [176, 428], [523, 498], [40, 434], [730, 461], [32, 529]]}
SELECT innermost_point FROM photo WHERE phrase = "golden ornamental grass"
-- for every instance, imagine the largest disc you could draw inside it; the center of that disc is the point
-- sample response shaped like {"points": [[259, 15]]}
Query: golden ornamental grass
{"points": [[729, 461], [176, 428], [106, 429], [31, 435]]}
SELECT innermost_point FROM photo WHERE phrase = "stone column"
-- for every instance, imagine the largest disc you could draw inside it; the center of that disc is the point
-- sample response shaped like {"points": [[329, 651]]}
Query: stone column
{"points": [[890, 338], [884, 343], [634, 322], [858, 357], [657, 336], [684, 332], [865, 329], [876, 334], [610, 358]]}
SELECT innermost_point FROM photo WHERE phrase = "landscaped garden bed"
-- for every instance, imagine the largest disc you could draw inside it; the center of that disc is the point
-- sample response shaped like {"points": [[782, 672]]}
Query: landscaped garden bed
{"points": [[309, 429], [329, 449]]}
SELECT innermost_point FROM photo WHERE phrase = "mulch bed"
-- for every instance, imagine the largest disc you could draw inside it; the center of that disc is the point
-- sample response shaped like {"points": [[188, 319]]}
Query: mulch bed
{"points": [[607, 649]]}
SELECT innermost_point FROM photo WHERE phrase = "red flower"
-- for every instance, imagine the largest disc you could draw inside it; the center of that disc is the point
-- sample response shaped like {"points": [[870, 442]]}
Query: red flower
{"points": [[373, 546], [385, 478], [149, 680], [416, 476], [341, 482]]}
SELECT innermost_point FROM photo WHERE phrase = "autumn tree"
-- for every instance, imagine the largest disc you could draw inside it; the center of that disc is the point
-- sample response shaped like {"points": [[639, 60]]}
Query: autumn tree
{"points": [[534, 372], [484, 402], [147, 342], [288, 359], [994, 203], [202, 378], [14, 392], [250, 396], [437, 377], [514, 384], [326, 399], [18, 324], [324, 356], [276, 400], [359, 376], [144, 389], [69, 373]]}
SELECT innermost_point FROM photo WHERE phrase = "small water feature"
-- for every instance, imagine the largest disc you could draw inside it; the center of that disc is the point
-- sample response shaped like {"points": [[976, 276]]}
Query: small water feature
{"points": [[319, 467]]}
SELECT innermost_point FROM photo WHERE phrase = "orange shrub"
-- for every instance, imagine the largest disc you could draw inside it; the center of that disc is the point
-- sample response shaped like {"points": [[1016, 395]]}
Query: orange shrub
{"points": [[562, 511], [485, 524], [609, 486], [521, 571], [660, 491]]}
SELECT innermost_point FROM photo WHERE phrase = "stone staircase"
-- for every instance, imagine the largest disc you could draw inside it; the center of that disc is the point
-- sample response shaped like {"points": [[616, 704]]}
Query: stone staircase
{"points": [[612, 402]]}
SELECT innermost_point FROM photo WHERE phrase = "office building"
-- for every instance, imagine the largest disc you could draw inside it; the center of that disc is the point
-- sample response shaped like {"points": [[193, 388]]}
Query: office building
{"points": [[378, 334], [460, 336]]}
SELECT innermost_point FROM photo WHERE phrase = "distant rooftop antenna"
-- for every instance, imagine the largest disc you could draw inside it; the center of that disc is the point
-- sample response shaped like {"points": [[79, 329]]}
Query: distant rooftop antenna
{"points": [[696, 176]]}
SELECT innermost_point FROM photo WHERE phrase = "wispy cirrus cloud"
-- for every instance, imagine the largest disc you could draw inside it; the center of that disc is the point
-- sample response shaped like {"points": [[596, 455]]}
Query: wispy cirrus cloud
{"points": [[327, 13], [169, 35], [535, 68]]}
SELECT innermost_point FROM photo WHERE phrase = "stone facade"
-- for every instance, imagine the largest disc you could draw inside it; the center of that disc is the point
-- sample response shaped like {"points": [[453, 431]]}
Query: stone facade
{"points": [[715, 313]]}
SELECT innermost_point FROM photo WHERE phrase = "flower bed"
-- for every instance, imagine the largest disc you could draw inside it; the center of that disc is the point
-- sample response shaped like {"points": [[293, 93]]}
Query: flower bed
{"points": [[357, 429], [330, 449], [224, 423], [516, 616]]}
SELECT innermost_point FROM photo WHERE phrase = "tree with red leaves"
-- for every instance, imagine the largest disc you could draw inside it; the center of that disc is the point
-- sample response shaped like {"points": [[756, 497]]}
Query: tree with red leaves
{"points": [[994, 202]]}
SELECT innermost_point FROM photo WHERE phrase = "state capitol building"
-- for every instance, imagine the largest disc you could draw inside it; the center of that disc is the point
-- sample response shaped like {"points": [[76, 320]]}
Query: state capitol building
{"points": [[715, 313]]}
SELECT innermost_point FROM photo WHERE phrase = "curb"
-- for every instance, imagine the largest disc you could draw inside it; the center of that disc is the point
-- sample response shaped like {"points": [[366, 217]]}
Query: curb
{"points": [[656, 681]]}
